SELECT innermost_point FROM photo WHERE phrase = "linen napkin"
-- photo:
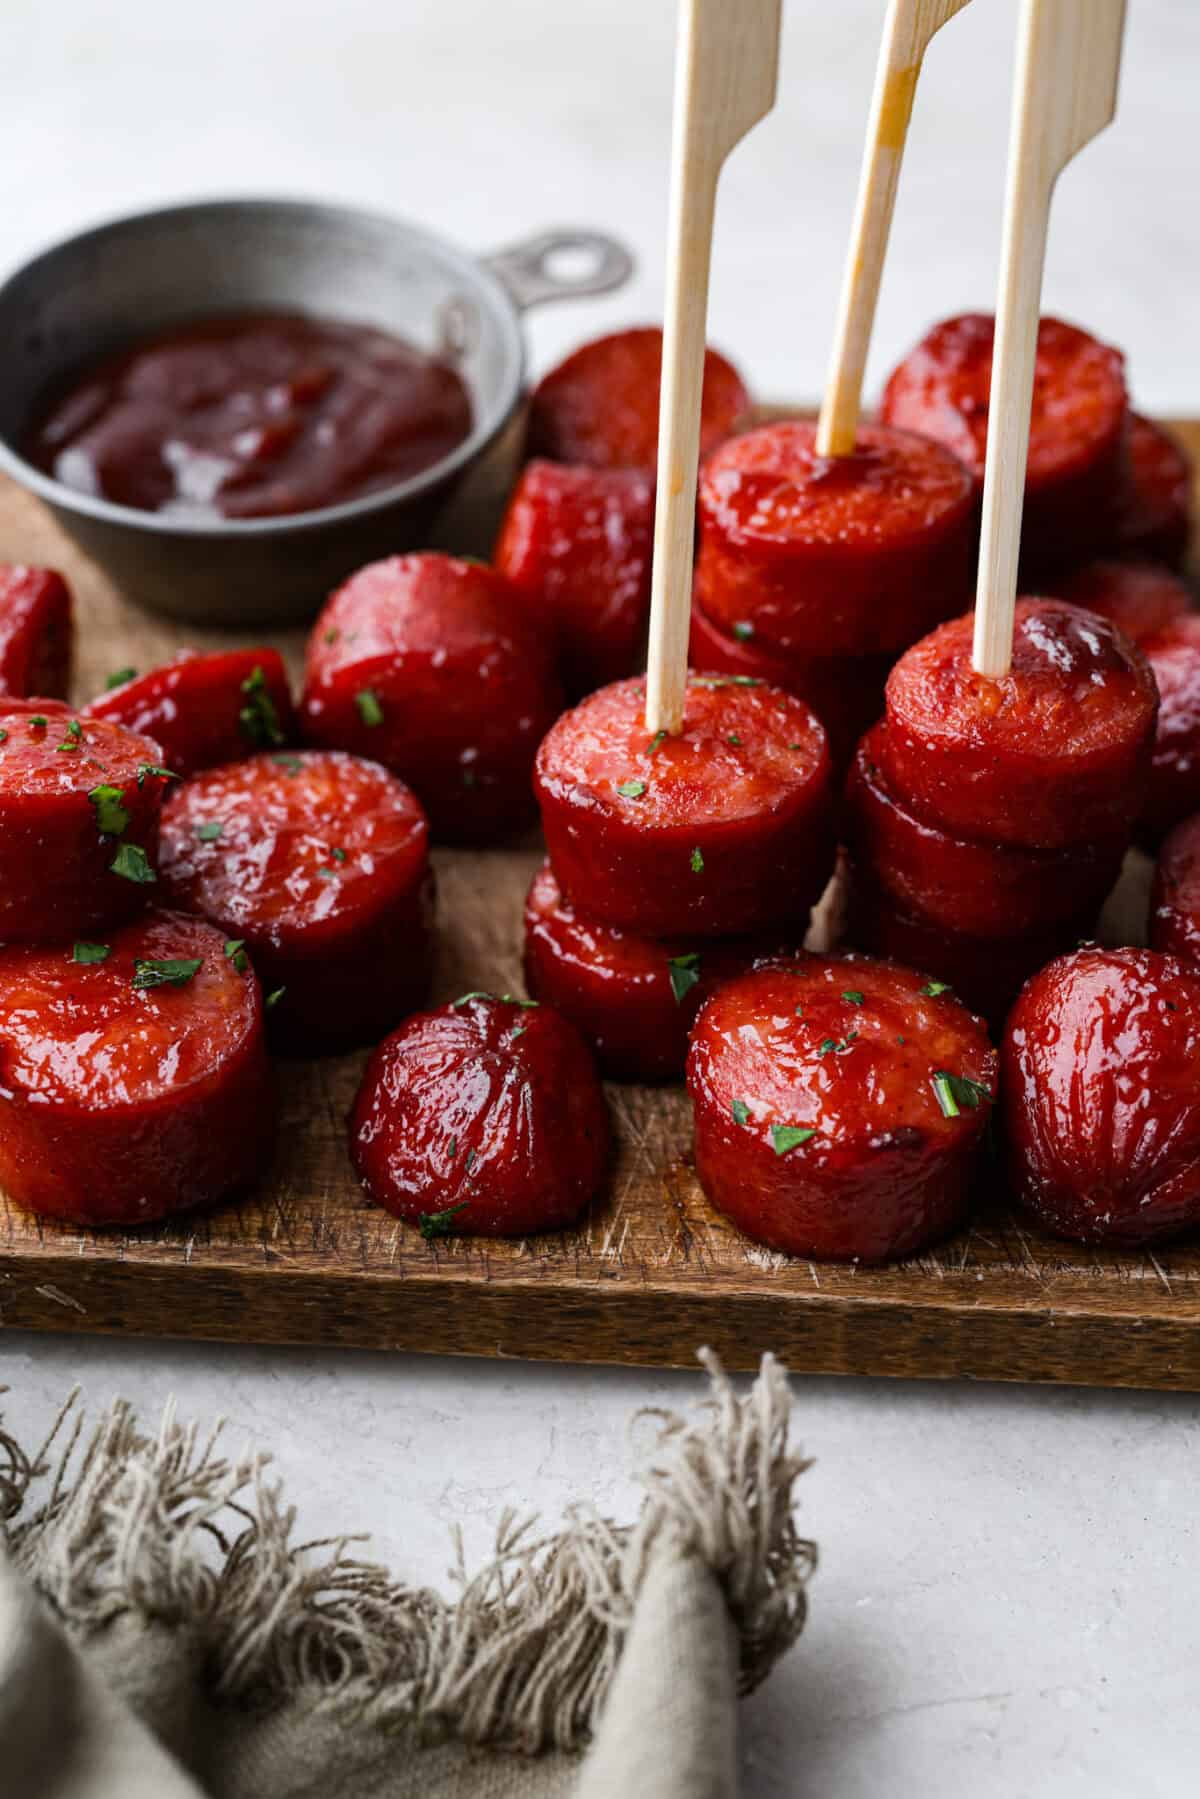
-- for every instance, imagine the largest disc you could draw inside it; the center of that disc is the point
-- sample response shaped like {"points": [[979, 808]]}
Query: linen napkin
{"points": [[162, 1635]]}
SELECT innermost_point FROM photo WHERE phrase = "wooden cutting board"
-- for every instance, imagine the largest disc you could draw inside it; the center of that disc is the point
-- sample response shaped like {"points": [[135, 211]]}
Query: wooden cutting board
{"points": [[652, 1273]]}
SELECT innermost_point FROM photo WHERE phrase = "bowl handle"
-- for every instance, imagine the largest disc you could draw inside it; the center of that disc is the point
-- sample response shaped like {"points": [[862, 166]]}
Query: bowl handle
{"points": [[595, 264]]}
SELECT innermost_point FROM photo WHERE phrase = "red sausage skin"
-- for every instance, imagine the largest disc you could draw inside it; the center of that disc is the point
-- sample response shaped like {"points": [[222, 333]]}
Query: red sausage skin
{"points": [[846, 1048], [204, 710], [318, 863], [122, 1106], [599, 407], [37, 632], [1154, 513], [1139, 598], [1101, 1083], [57, 873], [1053, 754], [1077, 440], [427, 664], [721, 831], [1175, 900], [1174, 656], [853, 555], [576, 544], [961, 883], [482, 1118], [632, 998]]}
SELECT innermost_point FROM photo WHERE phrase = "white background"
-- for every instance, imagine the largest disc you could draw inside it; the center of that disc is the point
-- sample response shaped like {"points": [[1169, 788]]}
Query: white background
{"points": [[1008, 1598]]}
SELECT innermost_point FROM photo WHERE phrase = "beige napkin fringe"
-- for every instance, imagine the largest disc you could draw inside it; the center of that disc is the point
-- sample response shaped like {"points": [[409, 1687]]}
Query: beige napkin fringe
{"points": [[170, 1531]]}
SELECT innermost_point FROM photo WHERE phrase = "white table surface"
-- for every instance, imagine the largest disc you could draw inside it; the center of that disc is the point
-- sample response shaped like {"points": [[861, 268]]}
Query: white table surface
{"points": [[1007, 1603]]}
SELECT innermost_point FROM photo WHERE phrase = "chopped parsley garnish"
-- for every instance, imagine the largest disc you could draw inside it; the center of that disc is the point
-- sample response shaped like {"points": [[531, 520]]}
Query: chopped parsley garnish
{"points": [[291, 765], [697, 862], [153, 973], [338, 855], [369, 709], [741, 1111], [111, 813], [743, 630], [475, 993], [331, 636], [658, 738], [785, 1137], [235, 951], [954, 1091], [853, 997], [258, 718], [470, 1160], [795, 746], [734, 742], [514, 999], [728, 681], [327, 874], [149, 770], [830, 1046], [932, 989], [88, 953], [453, 1147], [3, 736], [119, 677], [274, 998], [631, 790], [685, 974], [131, 864], [210, 830], [38, 722], [519, 1032], [74, 733], [439, 1224]]}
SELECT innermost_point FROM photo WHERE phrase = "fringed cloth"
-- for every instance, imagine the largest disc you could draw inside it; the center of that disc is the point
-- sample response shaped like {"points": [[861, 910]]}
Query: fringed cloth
{"points": [[163, 1637]]}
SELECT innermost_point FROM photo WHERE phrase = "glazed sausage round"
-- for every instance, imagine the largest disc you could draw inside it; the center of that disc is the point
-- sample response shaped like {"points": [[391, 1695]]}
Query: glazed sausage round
{"points": [[840, 1107], [632, 998], [962, 883], [1154, 510], [134, 1074], [425, 663], [834, 556], [576, 543], [318, 864], [1175, 899], [1076, 465], [482, 1118], [1174, 656], [79, 806], [1101, 1084], [1053, 754], [723, 830], [36, 631], [1139, 598], [599, 407], [205, 710]]}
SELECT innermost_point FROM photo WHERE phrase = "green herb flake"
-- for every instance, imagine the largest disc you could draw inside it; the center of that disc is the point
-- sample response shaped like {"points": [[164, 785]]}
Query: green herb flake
{"points": [[743, 630], [235, 952], [258, 718], [514, 999], [786, 1137], [470, 1160], [656, 742], [112, 815], [741, 1111], [274, 998], [475, 993], [734, 742], [439, 1224], [327, 874], [728, 681], [210, 830], [795, 746], [369, 709], [38, 722], [74, 733], [631, 790], [151, 771], [147, 974], [291, 765], [697, 862], [954, 1091], [932, 989], [119, 677], [831, 1047], [3, 736], [331, 636], [853, 997], [519, 1032], [452, 1146], [131, 864], [338, 855], [685, 974], [89, 953]]}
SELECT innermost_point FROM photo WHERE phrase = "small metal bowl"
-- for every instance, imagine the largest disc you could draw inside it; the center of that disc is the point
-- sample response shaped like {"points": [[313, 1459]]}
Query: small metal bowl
{"points": [[107, 287]]}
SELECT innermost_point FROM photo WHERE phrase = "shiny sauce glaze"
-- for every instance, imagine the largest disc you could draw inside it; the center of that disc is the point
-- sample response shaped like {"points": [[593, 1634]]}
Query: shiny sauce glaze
{"points": [[256, 415]]}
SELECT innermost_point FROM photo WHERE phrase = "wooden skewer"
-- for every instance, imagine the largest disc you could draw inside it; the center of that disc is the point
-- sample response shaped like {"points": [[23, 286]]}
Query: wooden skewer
{"points": [[727, 60], [1068, 61], [908, 29]]}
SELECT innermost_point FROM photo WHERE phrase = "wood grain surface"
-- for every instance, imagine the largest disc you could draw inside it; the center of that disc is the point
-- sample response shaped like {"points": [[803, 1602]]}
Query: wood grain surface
{"points": [[652, 1273]]}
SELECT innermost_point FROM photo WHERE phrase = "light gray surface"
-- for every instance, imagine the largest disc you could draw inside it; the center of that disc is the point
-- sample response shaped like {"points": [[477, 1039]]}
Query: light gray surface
{"points": [[1008, 1599]]}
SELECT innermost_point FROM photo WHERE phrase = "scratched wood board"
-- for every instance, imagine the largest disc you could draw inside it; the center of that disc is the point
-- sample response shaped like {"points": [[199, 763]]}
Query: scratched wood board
{"points": [[652, 1272]]}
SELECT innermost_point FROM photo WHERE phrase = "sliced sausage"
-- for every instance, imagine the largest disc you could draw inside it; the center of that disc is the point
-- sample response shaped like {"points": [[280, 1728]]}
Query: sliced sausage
{"points": [[723, 830], [632, 998], [79, 806], [482, 1118], [1175, 899], [318, 864], [1139, 598], [37, 632], [426, 664], [1101, 1083], [577, 543], [205, 710], [599, 407], [134, 1077], [840, 1107], [1154, 509], [964, 884], [834, 556], [1055, 753], [1077, 437], [1174, 792]]}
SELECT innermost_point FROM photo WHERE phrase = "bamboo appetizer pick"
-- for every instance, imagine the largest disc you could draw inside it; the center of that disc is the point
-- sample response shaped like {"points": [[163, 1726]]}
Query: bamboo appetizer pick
{"points": [[1068, 61], [908, 30], [726, 64]]}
